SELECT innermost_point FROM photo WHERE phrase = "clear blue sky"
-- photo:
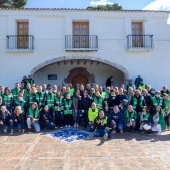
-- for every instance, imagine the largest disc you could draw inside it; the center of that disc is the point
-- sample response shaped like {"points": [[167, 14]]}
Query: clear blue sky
{"points": [[126, 4]]}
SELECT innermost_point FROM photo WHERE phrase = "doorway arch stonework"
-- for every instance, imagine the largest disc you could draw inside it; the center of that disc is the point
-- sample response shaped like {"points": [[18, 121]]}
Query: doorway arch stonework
{"points": [[80, 71], [81, 57]]}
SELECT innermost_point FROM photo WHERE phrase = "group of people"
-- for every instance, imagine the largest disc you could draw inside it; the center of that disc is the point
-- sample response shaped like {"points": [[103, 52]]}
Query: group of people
{"points": [[102, 110]]}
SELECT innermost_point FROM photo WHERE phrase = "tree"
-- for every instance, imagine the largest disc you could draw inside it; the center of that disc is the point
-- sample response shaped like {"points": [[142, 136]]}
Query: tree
{"points": [[13, 3], [107, 7]]}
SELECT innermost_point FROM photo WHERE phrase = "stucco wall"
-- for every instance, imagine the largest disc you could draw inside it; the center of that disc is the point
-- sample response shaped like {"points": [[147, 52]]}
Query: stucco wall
{"points": [[49, 28]]}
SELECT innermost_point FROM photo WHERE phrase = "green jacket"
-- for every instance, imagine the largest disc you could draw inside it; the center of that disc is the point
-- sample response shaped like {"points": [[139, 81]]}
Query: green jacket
{"points": [[50, 99], [15, 93], [40, 97], [98, 102], [33, 114], [7, 99], [68, 107], [129, 115], [22, 104], [161, 121]]}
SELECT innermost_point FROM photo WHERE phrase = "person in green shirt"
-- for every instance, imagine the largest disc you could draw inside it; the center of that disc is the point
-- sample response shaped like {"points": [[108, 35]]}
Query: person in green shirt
{"points": [[15, 92], [158, 121], [130, 118]]}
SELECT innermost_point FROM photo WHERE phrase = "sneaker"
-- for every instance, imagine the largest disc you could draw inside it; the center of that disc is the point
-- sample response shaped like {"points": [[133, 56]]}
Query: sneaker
{"points": [[113, 131], [75, 124], [29, 127], [12, 131], [69, 126], [105, 137], [56, 127], [19, 130], [66, 126], [159, 133], [121, 131], [5, 130], [61, 127]]}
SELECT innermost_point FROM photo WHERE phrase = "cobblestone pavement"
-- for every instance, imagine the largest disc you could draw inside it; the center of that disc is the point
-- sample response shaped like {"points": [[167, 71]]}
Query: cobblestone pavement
{"points": [[122, 151]]}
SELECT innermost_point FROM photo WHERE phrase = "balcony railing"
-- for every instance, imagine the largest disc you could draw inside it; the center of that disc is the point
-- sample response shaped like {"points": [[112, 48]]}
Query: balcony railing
{"points": [[20, 42], [81, 43], [143, 42]]}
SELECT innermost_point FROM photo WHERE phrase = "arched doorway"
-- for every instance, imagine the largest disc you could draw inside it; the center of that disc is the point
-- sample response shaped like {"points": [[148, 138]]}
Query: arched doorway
{"points": [[79, 79]]}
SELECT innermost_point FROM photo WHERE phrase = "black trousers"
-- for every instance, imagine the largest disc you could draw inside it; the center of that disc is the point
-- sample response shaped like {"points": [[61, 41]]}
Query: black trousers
{"points": [[68, 119]]}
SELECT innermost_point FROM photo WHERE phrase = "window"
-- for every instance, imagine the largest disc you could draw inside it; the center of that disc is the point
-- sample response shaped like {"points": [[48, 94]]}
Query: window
{"points": [[22, 35], [52, 77], [80, 34], [137, 34]]}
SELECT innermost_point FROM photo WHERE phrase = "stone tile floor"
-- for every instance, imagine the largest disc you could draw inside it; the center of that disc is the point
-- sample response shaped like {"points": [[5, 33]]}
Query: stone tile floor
{"points": [[126, 151]]}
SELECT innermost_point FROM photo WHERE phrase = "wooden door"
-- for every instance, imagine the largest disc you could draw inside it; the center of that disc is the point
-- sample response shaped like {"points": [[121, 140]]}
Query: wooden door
{"points": [[79, 79], [137, 32], [22, 35], [80, 34]]}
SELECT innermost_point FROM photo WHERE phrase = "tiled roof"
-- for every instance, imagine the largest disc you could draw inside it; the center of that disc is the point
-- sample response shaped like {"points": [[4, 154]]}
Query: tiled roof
{"points": [[77, 9]]}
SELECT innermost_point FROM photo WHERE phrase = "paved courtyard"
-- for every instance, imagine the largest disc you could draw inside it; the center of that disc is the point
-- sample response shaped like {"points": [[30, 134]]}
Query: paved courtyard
{"points": [[122, 151]]}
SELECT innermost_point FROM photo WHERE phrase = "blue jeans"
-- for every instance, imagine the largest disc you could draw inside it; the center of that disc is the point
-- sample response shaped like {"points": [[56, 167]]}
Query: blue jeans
{"points": [[119, 126], [50, 125], [89, 129], [9, 125], [76, 116], [101, 132], [18, 125], [58, 118]]}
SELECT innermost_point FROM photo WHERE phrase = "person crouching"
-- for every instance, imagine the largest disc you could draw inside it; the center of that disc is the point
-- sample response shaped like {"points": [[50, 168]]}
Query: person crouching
{"points": [[18, 119], [101, 124], [33, 117], [47, 117]]}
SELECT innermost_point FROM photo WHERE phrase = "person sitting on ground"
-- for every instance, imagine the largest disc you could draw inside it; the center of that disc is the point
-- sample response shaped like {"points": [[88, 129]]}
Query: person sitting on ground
{"points": [[116, 120], [92, 114], [130, 119], [101, 126], [47, 116], [33, 116], [18, 119], [6, 120], [145, 120], [158, 121]]}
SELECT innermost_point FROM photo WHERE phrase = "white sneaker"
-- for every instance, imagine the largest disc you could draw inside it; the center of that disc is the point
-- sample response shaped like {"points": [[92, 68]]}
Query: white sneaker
{"points": [[113, 131], [121, 131], [61, 127], [56, 127], [29, 127], [159, 133], [66, 126], [69, 126], [5, 130], [12, 131], [75, 124], [105, 137]]}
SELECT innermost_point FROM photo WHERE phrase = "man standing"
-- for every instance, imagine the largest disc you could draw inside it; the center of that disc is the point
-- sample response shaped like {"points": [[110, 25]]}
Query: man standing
{"points": [[109, 81], [138, 80]]}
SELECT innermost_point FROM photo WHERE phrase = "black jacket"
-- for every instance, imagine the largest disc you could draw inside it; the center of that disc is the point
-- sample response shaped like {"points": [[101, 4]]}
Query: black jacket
{"points": [[5, 117], [99, 126], [20, 119]]}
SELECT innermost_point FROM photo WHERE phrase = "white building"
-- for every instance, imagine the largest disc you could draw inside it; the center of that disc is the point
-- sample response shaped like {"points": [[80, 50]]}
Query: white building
{"points": [[83, 46]]}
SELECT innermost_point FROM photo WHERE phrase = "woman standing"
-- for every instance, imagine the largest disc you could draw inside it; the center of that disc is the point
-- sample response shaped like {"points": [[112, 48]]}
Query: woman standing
{"points": [[58, 108], [68, 111]]}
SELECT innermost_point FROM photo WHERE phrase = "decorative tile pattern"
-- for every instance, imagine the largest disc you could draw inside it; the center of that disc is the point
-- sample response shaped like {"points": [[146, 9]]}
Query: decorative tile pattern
{"points": [[70, 135]]}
